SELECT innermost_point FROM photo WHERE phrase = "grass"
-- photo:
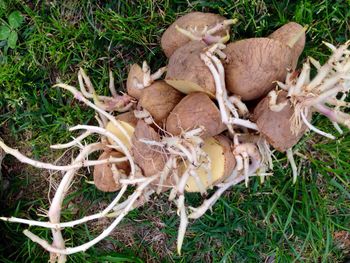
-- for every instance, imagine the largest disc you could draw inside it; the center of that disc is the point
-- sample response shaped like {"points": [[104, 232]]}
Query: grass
{"points": [[291, 223]]}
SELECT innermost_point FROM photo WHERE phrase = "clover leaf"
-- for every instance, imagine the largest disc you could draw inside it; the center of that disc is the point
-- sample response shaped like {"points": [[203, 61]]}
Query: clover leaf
{"points": [[12, 40], [15, 19], [4, 32]]}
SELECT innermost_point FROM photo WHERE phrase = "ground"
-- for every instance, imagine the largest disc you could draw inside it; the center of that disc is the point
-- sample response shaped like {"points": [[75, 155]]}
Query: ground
{"points": [[276, 221]]}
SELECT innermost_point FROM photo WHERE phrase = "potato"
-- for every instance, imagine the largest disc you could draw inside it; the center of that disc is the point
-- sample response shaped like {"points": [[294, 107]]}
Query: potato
{"points": [[128, 121], [187, 72], [135, 75], [293, 35], [193, 111], [254, 64], [159, 99], [148, 157], [222, 159], [103, 176], [172, 39], [275, 127], [127, 117]]}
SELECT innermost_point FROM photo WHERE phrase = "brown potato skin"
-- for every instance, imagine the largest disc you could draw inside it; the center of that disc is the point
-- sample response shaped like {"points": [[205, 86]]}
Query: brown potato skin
{"points": [[275, 127], [253, 65], [148, 157], [159, 99], [134, 72], [173, 39], [193, 111], [230, 160], [288, 32], [103, 176], [186, 64], [128, 117]]}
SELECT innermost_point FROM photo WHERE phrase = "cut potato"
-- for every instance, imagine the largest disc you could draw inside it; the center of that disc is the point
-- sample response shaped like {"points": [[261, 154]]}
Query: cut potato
{"points": [[293, 35], [223, 162], [103, 175], [128, 121], [194, 111], [187, 72], [159, 99], [274, 126], [254, 64], [135, 76], [172, 39], [149, 158]]}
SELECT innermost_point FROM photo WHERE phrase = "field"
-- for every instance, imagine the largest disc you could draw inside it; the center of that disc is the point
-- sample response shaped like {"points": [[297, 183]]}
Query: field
{"points": [[275, 221]]}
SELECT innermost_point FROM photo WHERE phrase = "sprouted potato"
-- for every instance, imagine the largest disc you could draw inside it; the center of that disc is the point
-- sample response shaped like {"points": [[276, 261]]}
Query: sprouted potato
{"points": [[189, 158]]}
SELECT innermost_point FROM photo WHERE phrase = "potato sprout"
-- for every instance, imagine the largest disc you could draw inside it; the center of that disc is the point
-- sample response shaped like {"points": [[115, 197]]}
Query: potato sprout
{"points": [[320, 93]]}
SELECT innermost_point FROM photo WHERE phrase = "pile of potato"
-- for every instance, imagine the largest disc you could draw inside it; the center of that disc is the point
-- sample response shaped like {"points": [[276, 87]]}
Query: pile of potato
{"points": [[211, 122], [186, 98]]}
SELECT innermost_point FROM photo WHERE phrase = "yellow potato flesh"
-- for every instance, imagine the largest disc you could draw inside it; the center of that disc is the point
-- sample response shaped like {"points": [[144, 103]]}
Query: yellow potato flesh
{"points": [[187, 87], [118, 133], [216, 154]]}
